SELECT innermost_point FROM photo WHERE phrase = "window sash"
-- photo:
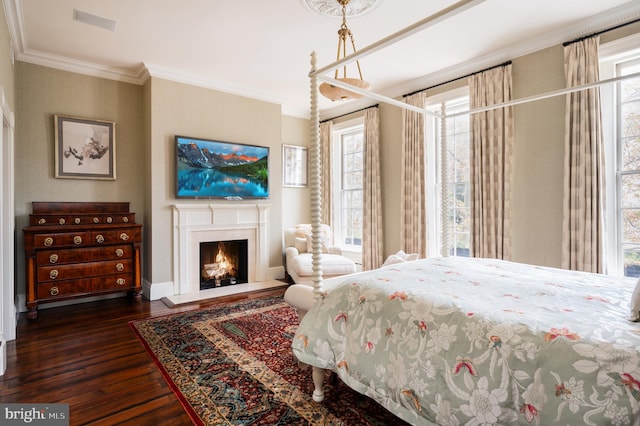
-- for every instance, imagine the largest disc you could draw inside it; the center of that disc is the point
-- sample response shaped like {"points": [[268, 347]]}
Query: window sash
{"points": [[616, 59], [458, 183], [627, 136], [347, 184]]}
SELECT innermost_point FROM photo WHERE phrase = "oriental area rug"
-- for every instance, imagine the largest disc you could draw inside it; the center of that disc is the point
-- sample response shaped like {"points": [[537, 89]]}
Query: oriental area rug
{"points": [[232, 364]]}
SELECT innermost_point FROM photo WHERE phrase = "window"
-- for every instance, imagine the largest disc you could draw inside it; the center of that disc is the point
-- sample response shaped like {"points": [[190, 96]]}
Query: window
{"points": [[628, 144], [621, 122], [348, 173], [458, 176]]}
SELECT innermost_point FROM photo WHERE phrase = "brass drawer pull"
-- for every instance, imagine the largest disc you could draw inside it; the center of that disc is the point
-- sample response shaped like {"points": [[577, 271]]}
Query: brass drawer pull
{"points": [[61, 221], [119, 267], [77, 240], [54, 291], [42, 221], [76, 221], [96, 220], [53, 274], [100, 238], [48, 241], [125, 219], [109, 219], [119, 252], [121, 281], [124, 236], [53, 258]]}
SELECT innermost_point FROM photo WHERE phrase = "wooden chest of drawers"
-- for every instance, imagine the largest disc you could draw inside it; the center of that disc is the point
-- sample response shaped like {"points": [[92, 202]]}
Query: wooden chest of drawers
{"points": [[76, 249]]}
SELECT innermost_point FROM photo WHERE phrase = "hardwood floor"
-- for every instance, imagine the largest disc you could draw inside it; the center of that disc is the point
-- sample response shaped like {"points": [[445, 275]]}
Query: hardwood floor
{"points": [[86, 356]]}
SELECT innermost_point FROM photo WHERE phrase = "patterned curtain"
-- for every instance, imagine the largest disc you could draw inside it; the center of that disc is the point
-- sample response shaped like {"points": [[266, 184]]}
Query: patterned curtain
{"points": [[326, 129], [413, 221], [582, 221], [372, 232], [490, 163]]}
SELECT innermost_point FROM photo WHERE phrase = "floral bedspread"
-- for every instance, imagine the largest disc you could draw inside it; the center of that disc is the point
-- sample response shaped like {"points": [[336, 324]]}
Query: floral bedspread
{"points": [[459, 341]]}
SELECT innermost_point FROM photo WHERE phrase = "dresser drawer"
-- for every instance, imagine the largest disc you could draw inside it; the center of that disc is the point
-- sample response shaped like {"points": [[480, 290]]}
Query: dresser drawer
{"points": [[85, 286], [60, 239], [78, 270], [89, 254], [48, 220], [82, 219], [120, 236]]}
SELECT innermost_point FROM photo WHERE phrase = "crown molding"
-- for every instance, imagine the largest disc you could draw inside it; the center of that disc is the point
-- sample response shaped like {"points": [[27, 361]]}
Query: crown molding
{"points": [[196, 80], [13, 13], [295, 112], [139, 76], [143, 73], [80, 67]]}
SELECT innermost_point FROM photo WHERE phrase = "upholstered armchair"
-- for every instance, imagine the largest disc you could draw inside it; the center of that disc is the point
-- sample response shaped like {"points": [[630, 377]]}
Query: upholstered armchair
{"points": [[298, 255]]}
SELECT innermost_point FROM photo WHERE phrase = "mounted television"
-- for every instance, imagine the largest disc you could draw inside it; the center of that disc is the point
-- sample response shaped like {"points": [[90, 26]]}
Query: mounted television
{"points": [[216, 169]]}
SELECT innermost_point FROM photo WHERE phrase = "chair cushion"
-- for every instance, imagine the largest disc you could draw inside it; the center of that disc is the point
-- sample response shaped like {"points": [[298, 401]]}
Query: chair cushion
{"points": [[324, 244], [305, 229], [332, 264], [301, 244]]}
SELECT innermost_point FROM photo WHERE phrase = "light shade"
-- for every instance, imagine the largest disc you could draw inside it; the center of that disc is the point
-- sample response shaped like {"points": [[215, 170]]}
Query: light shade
{"points": [[336, 93]]}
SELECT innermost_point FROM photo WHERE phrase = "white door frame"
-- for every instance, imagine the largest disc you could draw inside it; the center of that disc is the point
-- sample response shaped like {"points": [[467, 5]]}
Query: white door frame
{"points": [[8, 309]]}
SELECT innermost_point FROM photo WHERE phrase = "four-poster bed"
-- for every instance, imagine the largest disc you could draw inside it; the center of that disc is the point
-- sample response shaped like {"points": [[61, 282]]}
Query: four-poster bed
{"points": [[456, 340]]}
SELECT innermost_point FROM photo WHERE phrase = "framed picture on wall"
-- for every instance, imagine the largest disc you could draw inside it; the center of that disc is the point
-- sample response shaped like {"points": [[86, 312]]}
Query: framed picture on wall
{"points": [[294, 166], [84, 148]]}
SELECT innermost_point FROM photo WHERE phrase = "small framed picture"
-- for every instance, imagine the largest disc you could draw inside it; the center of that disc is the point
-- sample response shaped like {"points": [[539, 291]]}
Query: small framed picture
{"points": [[84, 148], [294, 166]]}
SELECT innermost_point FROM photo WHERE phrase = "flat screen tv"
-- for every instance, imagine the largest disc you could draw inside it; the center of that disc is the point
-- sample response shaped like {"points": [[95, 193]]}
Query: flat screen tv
{"points": [[216, 169]]}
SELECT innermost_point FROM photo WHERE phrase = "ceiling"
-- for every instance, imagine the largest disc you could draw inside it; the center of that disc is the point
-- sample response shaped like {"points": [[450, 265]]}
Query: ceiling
{"points": [[261, 49]]}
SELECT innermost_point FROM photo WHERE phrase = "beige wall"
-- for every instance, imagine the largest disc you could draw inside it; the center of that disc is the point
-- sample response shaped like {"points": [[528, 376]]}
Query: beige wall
{"points": [[192, 111], [295, 131], [538, 159], [42, 92], [391, 180]]}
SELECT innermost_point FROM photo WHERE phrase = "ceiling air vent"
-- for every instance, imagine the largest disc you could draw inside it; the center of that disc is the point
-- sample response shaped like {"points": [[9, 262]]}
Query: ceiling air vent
{"points": [[96, 21]]}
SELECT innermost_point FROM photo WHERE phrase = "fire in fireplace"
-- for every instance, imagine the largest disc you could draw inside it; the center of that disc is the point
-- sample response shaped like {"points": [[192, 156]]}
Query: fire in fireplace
{"points": [[223, 263]]}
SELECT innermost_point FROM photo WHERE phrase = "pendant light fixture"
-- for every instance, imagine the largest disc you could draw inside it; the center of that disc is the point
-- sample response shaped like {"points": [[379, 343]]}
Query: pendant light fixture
{"points": [[337, 93]]}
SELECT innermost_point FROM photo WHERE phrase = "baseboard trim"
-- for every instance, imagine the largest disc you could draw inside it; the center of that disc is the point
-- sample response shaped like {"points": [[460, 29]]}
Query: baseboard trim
{"points": [[276, 273], [3, 357], [156, 291]]}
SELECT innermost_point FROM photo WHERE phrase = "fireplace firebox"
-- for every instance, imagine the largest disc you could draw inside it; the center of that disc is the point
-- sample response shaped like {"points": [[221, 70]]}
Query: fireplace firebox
{"points": [[223, 263]]}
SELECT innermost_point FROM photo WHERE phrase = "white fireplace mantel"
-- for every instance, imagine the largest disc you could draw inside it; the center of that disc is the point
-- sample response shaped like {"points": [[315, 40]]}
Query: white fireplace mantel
{"points": [[196, 223]]}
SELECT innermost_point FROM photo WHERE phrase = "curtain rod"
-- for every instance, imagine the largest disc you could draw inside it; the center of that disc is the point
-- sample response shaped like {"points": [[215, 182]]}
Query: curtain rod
{"points": [[566, 43], [457, 78], [546, 95], [349, 113]]}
